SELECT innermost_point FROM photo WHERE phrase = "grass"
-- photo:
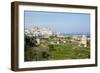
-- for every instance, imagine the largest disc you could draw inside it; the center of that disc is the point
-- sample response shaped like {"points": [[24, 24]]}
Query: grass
{"points": [[68, 50]]}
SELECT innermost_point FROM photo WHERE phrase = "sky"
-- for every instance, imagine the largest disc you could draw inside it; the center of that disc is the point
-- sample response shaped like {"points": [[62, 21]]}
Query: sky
{"points": [[62, 22]]}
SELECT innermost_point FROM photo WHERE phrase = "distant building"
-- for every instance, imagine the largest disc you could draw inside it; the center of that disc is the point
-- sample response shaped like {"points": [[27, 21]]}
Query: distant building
{"points": [[27, 32], [45, 33], [76, 37], [38, 32], [83, 41], [59, 35]]}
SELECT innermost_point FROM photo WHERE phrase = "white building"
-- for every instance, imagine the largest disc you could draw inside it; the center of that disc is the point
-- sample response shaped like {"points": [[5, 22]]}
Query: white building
{"points": [[83, 41], [45, 33], [38, 32], [27, 32]]}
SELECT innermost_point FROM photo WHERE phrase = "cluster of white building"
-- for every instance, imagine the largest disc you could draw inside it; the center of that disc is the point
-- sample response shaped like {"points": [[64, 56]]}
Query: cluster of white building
{"points": [[38, 32]]}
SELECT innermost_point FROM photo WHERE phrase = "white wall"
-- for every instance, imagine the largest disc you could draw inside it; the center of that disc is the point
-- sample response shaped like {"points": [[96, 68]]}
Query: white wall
{"points": [[5, 26]]}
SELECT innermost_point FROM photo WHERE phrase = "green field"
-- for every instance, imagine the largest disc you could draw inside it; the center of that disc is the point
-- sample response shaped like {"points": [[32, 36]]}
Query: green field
{"points": [[69, 51], [47, 51]]}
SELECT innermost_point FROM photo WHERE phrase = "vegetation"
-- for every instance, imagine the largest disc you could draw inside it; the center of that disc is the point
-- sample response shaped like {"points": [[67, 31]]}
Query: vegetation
{"points": [[69, 51], [53, 51]]}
